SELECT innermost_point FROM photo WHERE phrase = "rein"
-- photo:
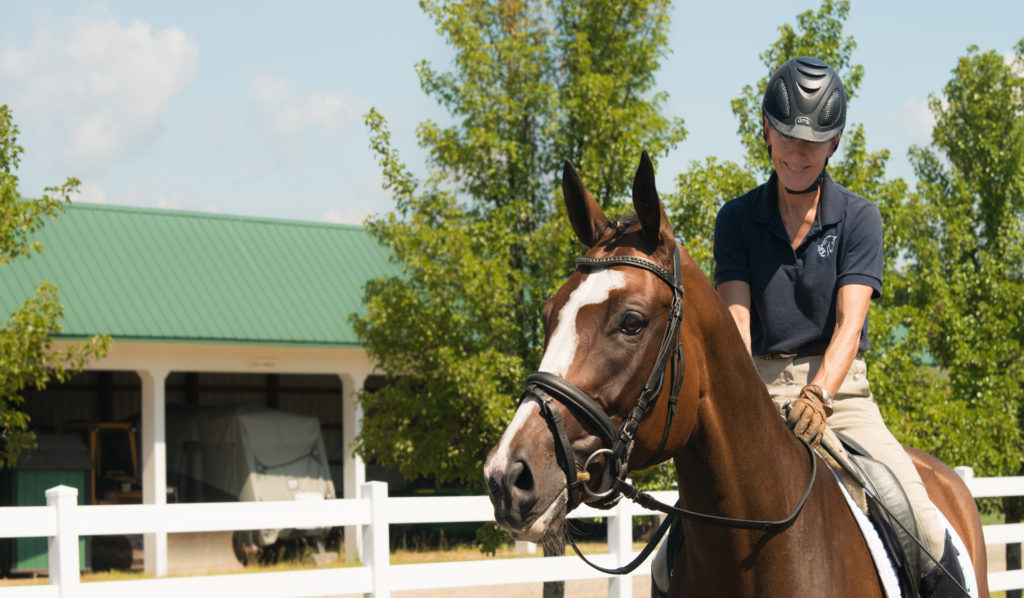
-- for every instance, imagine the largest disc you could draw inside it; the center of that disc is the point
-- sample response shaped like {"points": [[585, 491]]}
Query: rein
{"points": [[649, 502], [618, 443]]}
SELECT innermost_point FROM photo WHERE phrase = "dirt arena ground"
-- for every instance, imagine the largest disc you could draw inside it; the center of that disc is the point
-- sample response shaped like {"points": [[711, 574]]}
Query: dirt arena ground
{"points": [[597, 587], [573, 589], [588, 588]]}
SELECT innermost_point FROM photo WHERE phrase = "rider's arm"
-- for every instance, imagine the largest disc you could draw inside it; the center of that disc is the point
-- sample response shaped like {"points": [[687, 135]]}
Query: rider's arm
{"points": [[736, 294], [852, 303]]}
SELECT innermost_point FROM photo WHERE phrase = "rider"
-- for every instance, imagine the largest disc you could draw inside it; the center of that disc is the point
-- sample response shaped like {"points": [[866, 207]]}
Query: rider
{"points": [[797, 261]]}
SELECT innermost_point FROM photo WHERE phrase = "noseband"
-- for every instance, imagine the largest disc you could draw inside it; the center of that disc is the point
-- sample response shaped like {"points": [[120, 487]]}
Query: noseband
{"points": [[616, 443]]}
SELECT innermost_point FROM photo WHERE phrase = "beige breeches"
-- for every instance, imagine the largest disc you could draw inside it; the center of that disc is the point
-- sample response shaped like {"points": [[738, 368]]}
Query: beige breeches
{"points": [[856, 415]]}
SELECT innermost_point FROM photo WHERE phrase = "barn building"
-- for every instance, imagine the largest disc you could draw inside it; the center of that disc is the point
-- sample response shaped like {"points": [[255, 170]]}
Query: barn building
{"points": [[204, 310]]}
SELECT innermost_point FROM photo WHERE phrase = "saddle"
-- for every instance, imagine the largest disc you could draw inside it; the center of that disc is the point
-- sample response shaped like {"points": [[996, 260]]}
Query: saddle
{"points": [[889, 510]]}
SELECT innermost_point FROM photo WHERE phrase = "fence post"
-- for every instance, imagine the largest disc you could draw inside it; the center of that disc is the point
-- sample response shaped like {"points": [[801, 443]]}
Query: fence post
{"points": [[63, 548], [966, 472], [620, 544], [376, 552]]}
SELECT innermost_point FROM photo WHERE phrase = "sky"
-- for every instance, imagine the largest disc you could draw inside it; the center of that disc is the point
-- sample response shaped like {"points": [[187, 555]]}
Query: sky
{"points": [[256, 108]]}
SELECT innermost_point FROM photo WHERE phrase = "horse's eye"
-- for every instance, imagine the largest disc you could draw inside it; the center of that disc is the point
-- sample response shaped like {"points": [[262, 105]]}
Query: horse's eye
{"points": [[632, 324]]}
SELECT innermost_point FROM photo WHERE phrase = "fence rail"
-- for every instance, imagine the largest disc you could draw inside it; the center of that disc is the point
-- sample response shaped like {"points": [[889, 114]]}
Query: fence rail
{"points": [[63, 522]]}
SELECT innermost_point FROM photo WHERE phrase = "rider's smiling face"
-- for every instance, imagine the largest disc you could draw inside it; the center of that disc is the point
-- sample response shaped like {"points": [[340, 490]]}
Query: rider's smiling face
{"points": [[796, 161]]}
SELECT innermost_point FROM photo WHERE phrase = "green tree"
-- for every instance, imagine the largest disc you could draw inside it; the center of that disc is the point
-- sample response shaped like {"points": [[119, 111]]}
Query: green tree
{"points": [[27, 359], [482, 242], [955, 379], [959, 288]]}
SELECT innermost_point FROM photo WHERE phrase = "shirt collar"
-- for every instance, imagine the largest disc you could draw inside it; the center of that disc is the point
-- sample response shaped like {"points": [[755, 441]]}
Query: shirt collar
{"points": [[830, 206]]}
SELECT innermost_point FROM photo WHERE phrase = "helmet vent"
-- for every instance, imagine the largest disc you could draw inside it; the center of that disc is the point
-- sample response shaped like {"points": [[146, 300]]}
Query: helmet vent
{"points": [[833, 107], [808, 90], [779, 100], [811, 73]]}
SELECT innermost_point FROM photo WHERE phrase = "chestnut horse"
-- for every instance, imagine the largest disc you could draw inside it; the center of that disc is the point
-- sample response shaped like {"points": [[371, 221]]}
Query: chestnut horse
{"points": [[621, 317]]}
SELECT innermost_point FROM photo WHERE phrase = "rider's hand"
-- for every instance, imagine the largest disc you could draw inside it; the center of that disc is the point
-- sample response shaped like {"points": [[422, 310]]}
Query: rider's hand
{"points": [[808, 413]]}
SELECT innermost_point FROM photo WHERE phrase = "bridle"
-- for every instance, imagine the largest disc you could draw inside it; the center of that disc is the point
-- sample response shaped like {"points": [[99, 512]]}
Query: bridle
{"points": [[617, 444]]}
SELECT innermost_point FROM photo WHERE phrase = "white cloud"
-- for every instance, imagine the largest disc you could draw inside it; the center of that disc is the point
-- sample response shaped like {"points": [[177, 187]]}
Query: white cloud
{"points": [[915, 120], [284, 111], [352, 215], [97, 87], [334, 217], [190, 205], [170, 203], [89, 192]]}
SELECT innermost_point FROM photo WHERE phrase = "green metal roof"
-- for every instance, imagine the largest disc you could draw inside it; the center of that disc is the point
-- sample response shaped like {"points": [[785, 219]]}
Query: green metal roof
{"points": [[169, 276]]}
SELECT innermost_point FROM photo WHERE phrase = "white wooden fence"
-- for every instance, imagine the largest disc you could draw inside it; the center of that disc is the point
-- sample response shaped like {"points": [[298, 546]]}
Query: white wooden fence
{"points": [[63, 521], [1006, 533]]}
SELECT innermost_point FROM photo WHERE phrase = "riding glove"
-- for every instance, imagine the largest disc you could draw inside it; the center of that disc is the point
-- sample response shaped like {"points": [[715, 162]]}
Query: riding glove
{"points": [[808, 413]]}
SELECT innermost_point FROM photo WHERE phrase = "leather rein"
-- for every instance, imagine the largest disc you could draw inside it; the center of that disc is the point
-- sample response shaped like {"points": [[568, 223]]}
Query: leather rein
{"points": [[617, 443]]}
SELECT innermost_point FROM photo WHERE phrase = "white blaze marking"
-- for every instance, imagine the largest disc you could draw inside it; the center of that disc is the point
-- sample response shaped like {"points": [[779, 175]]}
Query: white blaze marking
{"points": [[498, 462], [562, 345], [558, 356]]}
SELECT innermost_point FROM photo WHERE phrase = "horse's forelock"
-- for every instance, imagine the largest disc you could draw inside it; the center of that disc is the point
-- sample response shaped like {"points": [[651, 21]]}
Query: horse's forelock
{"points": [[616, 230], [619, 228]]}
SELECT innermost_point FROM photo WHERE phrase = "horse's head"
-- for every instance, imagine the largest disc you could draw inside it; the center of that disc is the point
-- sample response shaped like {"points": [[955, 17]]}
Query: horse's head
{"points": [[611, 351]]}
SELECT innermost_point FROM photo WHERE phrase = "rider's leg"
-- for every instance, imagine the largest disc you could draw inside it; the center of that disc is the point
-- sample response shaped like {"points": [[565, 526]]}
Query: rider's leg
{"points": [[856, 415]]}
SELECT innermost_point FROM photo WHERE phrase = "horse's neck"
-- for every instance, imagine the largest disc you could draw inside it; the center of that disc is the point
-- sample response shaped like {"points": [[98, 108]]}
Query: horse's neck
{"points": [[743, 458], [741, 461]]}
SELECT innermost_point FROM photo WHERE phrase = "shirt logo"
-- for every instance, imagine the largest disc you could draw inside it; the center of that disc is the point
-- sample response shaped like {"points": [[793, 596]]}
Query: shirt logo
{"points": [[827, 246]]}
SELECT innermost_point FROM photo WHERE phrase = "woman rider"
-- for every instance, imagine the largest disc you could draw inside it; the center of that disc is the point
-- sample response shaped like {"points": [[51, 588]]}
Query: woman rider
{"points": [[797, 261]]}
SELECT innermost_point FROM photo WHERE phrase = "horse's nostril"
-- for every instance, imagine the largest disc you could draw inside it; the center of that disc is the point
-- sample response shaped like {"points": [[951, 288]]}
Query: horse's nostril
{"points": [[522, 478]]}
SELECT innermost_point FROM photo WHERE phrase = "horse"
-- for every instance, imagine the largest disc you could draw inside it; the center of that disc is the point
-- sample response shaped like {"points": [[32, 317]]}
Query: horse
{"points": [[599, 408]]}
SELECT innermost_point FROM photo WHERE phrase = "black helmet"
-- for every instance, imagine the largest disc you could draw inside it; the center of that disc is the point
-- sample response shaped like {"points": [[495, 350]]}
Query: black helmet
{"points": [[805, 99]]}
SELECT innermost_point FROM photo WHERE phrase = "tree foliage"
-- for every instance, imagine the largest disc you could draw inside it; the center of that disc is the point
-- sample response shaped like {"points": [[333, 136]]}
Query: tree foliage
{"points": [[482, 241], [27, 359], [958, 290]]}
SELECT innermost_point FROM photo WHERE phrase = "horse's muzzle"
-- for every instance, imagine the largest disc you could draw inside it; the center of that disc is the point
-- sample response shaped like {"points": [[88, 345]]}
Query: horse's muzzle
{"points": [[513, 493]]}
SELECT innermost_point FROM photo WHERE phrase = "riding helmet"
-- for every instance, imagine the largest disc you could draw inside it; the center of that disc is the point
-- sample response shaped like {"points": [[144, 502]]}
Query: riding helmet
{"points": [[805, 99]]}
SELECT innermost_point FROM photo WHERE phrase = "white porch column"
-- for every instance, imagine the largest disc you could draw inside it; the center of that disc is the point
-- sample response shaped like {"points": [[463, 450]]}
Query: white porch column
{"points": [[154, 463], [353, 468]]}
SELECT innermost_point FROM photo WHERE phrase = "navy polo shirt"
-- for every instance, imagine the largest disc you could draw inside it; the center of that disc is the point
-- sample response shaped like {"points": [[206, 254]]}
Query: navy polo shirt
{"points": [[793, 293]]}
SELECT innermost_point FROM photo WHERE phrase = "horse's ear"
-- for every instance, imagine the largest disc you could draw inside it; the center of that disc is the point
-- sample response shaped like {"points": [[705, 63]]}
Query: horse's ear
{"points": [[587, 218], [653, 220]]}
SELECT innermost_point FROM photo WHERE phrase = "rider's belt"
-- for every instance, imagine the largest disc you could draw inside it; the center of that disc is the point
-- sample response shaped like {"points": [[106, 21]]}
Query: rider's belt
{"points": [[795, 355], [787, 355]]}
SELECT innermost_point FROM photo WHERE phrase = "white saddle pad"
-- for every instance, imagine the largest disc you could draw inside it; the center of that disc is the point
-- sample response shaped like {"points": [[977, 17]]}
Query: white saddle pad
{"points": [[886, 571]]}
